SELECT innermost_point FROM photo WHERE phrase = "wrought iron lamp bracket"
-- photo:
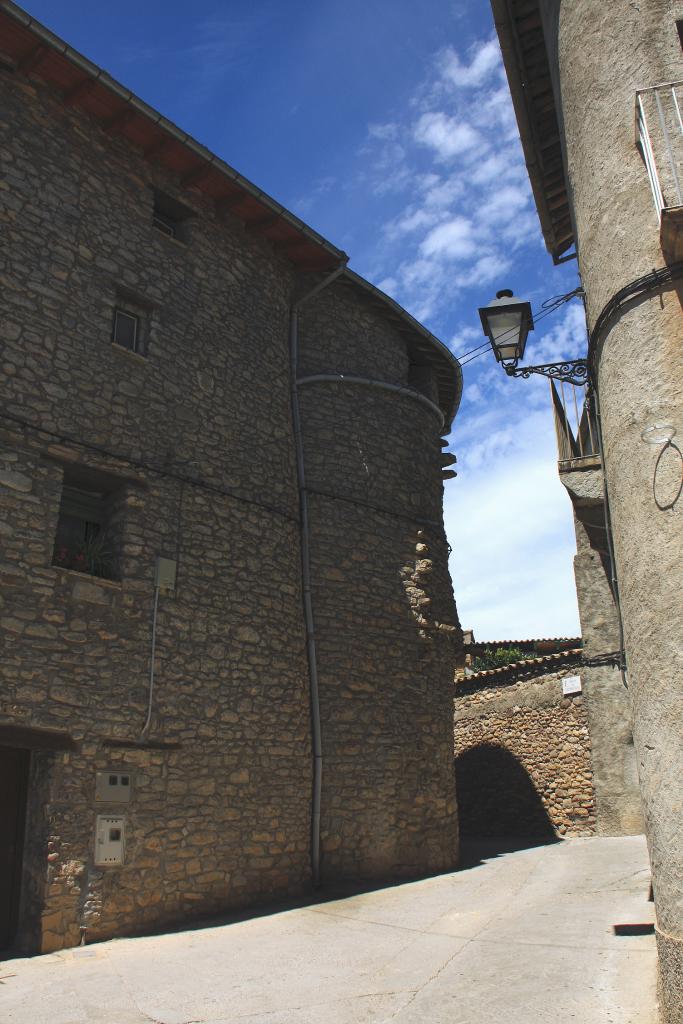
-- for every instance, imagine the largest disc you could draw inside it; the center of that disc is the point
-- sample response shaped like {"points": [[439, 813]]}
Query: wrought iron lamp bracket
{"points": [[571, 371]]}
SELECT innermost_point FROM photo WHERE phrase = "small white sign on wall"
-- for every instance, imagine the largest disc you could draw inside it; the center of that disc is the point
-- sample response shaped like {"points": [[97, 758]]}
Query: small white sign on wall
{"points": [[570, 685]]}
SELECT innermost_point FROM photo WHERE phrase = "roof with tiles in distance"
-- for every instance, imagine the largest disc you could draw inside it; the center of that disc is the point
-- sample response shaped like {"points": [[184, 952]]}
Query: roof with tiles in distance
{"points": [[541, 645], [506, 674], [30, 48]]}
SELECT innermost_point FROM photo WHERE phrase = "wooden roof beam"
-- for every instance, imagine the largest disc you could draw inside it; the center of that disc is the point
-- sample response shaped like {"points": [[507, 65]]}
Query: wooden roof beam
{"points": [[158, 148], [197, 176], [262, 222], [286, 243], [116, 124], [32, 60], [228, 203], [72, 97]]}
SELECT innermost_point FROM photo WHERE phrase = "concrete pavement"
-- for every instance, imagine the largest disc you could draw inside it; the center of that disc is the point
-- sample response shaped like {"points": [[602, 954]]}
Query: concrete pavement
{"points": [[523, 937]]}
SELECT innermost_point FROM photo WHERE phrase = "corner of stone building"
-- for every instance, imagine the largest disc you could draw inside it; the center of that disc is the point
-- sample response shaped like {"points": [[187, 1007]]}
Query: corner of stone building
{"points": [[670, 977]]}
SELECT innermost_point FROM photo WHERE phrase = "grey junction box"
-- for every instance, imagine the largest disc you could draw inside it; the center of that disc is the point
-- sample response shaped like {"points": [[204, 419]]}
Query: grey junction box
{"points": [[113, 787]]}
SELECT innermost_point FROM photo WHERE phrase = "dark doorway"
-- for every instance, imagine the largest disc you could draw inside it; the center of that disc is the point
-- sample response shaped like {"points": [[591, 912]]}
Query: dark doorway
{"points": [[14, 765], [497, 798]]}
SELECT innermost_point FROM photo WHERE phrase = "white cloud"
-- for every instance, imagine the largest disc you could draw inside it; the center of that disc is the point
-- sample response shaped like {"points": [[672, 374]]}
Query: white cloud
{"points": [[412, 221], [388, 285], [504, 204], [461, 224], [508, 517], [565, 338], [486, 269], [444, 191], [454, 239], [447, 136], [383, 131], [498, 111], [484, 59]]}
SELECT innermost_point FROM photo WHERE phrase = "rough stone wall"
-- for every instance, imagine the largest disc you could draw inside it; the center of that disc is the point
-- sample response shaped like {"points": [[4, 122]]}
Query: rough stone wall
{"points": [[386, 626], [523, 759], [640, 368], [196, 437], [615, 772]]}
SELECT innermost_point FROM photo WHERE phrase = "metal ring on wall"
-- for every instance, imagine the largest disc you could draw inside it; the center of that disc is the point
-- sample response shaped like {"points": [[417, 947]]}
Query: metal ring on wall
{"points": [[664, 506]]}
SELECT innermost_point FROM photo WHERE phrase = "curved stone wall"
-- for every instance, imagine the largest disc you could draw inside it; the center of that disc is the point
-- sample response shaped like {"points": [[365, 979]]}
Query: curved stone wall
{"points": [[606, 52], [386, 625]]}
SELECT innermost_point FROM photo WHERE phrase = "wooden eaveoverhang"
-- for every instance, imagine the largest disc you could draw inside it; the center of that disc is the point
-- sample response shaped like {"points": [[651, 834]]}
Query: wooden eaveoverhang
{"points": [[520, 31], [29, 48]]}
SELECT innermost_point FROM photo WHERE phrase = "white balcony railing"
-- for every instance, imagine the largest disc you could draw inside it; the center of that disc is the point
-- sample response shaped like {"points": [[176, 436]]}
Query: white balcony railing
{"points": [[575, 425], [659, 135]]}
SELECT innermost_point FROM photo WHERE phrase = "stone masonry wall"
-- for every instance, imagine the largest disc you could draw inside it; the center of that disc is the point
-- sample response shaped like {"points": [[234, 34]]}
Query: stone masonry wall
{"points": [[386, 625], [615, 771], [195, 438], [638, 371], [523, 759]]}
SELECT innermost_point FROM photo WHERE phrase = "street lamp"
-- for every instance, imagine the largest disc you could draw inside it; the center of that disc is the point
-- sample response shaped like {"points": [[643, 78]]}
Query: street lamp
{"points": [[507, 321]]}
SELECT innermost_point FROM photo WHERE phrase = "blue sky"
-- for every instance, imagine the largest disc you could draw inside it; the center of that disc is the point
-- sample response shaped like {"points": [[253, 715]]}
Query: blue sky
{"points": [[387, 126]]}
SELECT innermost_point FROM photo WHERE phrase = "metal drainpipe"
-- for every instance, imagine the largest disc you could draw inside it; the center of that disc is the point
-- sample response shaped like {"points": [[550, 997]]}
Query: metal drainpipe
{"points": [[316, 734], [152, 658], [614, 582]]}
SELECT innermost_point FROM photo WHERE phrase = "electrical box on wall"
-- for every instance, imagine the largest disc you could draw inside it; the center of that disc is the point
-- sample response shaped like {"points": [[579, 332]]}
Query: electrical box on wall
{"points": [[113, 787], [165, 572], [109, 840]]}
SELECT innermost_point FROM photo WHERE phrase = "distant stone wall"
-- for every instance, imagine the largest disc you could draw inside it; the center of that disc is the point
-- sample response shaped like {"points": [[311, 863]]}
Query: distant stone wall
{"points": [[523, 759]]}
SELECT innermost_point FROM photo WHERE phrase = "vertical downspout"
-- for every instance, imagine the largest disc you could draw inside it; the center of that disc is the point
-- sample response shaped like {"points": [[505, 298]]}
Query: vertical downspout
{"points": [[306, 571], [607, 515], [614, 583]]}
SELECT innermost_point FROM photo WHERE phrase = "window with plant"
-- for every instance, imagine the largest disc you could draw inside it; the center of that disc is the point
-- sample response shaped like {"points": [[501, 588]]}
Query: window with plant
{"points": [[83, 541]]}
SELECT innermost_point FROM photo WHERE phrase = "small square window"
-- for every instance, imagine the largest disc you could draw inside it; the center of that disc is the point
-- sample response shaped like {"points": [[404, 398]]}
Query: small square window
{"points": [[171, 217], [164, 224], [126, 330]]}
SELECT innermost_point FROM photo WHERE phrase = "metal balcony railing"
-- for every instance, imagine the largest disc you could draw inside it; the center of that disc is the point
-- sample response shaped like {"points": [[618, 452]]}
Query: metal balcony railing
{"points": [[575, 424], [659, 135]]}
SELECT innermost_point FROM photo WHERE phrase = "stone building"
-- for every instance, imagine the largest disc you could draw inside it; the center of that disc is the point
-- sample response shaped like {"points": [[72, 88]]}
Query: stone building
{"points": [[523, 760], [596, 94], [613, 756], [227, 624]]}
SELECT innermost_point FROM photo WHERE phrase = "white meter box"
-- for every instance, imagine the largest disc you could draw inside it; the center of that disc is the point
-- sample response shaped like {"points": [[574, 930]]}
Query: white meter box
{"points": [[109, 840]]}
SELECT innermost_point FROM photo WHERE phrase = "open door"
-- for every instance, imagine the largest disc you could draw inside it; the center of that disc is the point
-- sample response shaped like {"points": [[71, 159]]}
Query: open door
{"points": [[14, 766]]}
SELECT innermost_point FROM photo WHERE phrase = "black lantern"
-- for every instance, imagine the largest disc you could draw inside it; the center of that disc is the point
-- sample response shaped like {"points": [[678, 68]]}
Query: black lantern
{"points": [[506, 322]]}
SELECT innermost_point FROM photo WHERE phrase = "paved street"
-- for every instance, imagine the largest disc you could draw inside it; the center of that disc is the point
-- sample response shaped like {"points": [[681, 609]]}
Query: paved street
{"points": [[523, 937]]}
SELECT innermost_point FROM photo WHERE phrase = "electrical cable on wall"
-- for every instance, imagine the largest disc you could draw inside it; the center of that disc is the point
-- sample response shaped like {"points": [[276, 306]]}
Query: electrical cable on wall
{"points": [[150, 695]]}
